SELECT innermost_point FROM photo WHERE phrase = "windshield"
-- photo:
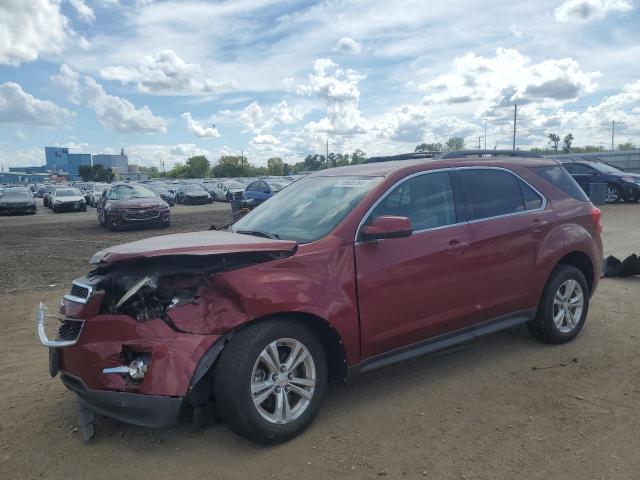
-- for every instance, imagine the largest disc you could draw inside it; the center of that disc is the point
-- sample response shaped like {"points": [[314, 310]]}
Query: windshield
{"points": [[194, 189], [100, 188], [160, 189], [604, 168], [308, 209], [234, 185], [68, 192], [16, 193], [126, 192]]}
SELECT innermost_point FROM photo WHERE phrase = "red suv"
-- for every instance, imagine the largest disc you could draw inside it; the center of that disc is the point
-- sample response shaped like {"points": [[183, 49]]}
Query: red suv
{"points": [[344, 271]]}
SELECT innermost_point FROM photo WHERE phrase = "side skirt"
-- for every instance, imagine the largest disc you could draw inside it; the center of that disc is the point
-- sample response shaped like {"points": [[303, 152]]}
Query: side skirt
{"points": [[442, 342]]}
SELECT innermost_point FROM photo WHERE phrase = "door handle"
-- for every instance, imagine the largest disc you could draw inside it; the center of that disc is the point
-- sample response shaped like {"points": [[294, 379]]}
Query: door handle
{"points": [[537, 224], [455, 246]]}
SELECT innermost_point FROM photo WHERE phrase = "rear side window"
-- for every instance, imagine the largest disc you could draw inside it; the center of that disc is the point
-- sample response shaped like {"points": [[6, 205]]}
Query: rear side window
{"points": [[493, 193], [559, 177]]}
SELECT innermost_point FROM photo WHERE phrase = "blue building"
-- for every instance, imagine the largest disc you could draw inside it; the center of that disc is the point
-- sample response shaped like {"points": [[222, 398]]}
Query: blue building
{"points": [[59, 159], [118, 163]]}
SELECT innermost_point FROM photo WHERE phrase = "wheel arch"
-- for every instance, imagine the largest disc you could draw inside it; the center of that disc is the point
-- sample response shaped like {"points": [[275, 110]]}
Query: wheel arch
{"points": [[582, 262], [201, 385]]}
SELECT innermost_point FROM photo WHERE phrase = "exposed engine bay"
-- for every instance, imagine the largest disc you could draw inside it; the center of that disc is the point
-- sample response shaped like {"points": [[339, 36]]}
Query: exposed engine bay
{"points": [[149, 288]]}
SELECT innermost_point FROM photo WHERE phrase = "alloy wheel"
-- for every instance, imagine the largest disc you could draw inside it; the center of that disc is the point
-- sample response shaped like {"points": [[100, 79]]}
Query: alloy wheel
{"points": [[612, 195], [568, 304], [283, 381]]}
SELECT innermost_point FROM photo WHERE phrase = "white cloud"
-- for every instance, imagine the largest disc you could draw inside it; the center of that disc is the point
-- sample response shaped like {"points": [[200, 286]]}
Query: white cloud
{"points": [[507, 78], [165, 74], [587, 10], [256, 119], [67, 81], [31, 28], [153, 155], [265, 140], [338, 89], [119, 114], [20, 107], [21, 157], [198, 129], [348, 45], [114, 113], [84, 11]]}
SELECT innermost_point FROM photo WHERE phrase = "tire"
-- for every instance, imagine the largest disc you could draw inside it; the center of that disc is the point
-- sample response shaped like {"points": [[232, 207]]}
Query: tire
{"points": [[614, 195], [240, 367], [544, 327]]}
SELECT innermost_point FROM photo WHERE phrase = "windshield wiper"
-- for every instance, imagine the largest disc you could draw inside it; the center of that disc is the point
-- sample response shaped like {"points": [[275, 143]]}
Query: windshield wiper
{"points": [[259, 233]]}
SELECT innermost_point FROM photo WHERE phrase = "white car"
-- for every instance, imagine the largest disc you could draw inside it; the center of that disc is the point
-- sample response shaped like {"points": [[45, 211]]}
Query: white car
{"points": [[69, 199], [95, 192], [226, 190]]}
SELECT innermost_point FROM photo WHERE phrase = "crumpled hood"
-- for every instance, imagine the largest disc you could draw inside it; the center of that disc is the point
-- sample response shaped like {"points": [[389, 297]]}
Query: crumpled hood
{"points": [[210, 242]]}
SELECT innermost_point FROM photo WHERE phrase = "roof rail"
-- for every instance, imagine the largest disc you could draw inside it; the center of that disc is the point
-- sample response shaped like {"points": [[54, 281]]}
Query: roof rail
{"points": [[403, 156], [488, 153]]}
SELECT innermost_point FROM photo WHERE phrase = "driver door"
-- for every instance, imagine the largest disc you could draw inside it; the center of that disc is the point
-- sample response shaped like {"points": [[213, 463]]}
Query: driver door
{"points": [[420, 286]]}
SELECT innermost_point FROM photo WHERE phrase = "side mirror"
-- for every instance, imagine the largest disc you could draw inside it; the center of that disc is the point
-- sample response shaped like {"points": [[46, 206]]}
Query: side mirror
{"points": [[387, 226]]}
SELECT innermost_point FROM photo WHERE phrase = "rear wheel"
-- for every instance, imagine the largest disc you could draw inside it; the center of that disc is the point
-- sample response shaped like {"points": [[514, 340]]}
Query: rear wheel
{"points": [[270, 381], [563, 308]]}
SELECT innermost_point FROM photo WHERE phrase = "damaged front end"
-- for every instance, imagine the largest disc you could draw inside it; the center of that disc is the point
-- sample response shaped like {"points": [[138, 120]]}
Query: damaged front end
{"points": [[133, 342]]}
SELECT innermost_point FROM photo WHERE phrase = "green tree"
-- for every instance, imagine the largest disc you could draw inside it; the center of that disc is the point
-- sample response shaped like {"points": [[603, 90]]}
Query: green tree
{"points": [[358, 156], [566, 142], [95, 173], [454, 144], [231, 166], [429, 147], [275, 166], [627, 146], [152, 172], [198, 166], [554, 139]]}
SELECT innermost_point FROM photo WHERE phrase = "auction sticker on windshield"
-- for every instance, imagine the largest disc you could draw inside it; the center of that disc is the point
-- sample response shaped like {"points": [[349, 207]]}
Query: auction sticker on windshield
{"points": [[352, 183]]}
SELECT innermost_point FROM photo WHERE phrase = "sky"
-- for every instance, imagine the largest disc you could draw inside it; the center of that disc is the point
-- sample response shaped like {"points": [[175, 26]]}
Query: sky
{"points": [[168, 79]]}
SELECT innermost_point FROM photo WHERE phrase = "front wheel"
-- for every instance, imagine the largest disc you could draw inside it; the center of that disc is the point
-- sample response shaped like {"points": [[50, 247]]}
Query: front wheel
{"points": [[563, 308], [613, 194], [270, 381]]}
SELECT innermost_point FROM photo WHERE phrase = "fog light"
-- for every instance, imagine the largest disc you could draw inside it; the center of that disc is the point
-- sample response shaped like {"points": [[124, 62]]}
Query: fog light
{"points": [[136, 369]]}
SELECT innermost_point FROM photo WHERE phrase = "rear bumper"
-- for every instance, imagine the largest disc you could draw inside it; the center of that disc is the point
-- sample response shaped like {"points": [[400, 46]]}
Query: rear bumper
{"points": [[153, 411]]}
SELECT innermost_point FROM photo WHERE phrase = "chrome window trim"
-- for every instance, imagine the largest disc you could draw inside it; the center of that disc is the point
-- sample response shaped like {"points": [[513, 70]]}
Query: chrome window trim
{"points": [[450, 169]]}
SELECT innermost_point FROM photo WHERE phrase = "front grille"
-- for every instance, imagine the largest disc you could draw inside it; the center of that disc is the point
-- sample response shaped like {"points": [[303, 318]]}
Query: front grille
{"points": [[69, 329], [79, 291], [143, 214]]}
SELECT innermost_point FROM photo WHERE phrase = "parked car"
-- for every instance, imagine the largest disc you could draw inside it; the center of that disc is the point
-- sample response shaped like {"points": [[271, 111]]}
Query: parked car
{"points": [[347, 270], [17, 200], [262, 190], [620, 185], [48, 190], [130, 204], [93, 193], [67, 200], [227, 190], [193, 194], [163, 192]]}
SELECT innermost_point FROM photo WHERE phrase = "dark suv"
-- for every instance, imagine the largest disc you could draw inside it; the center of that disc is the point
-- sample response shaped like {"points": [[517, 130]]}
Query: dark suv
{"points": [[620, 185], [346, 270]]}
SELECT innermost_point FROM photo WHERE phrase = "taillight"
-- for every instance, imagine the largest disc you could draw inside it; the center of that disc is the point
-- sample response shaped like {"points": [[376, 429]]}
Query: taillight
{"points": [[596, 213]]}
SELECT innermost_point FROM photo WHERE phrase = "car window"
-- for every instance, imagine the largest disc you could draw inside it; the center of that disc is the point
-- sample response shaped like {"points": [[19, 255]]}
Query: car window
{"points": [[427, 200], [560, 178], [492, 193], [532, 201], [579, 169]]}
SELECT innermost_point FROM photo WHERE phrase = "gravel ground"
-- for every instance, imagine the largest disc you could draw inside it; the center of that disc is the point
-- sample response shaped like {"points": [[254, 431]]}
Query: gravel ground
{"points": [[502, 407]]}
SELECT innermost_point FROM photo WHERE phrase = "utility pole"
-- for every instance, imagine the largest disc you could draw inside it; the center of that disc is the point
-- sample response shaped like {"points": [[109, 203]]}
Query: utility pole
{"points": [[515, 116], [327, 157], [479, 143], [485, 134], [613, 133], [242, 158], [162, 168]]}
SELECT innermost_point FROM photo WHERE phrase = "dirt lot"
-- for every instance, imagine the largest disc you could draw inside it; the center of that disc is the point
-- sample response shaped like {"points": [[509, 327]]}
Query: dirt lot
{"points": [[502, 407]]}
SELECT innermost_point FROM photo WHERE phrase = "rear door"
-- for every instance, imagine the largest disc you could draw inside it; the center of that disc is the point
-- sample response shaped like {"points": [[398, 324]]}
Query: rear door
{"points": [[508, 222], [420, 286], [582, 174]]}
